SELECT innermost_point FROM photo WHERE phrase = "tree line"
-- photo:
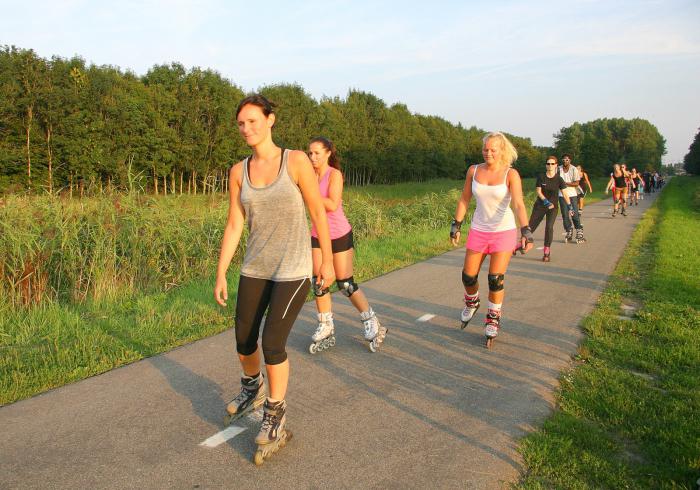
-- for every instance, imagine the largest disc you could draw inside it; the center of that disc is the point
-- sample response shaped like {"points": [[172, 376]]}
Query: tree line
{"points": [[691, 161], [66, 125]]}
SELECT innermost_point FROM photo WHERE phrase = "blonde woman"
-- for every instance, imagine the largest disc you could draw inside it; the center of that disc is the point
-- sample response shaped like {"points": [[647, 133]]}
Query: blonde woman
{"points": [[494, 185]]}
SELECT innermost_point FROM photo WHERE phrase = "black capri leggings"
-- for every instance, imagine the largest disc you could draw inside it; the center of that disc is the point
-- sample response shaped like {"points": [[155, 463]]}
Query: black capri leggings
{"points": [[539, 211], [282, 300]]}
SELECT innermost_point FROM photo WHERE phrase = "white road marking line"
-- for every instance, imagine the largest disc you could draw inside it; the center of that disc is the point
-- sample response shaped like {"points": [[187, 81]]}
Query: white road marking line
{"points": [[539, 248], [425, 318], [222, 436]]}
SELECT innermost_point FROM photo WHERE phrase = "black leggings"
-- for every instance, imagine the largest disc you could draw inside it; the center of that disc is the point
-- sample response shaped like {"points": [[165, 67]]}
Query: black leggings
{"points": [[539, 211], [282, 300]]}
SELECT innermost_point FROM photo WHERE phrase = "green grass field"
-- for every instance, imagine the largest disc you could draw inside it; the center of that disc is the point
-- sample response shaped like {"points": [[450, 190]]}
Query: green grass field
{"points": [[629, 409], [116, 279]]}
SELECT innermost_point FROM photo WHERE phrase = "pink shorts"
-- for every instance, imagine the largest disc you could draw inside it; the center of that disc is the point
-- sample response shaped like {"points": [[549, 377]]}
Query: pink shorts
{"points": [[488, 242]]}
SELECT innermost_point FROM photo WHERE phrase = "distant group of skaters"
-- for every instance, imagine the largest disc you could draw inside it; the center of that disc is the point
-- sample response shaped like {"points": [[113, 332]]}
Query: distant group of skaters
{"points": [[271, 190]]}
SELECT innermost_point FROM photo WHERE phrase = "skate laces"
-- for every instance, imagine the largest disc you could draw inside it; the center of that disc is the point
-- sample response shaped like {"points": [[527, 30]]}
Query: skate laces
{"points": [[493, 319]]}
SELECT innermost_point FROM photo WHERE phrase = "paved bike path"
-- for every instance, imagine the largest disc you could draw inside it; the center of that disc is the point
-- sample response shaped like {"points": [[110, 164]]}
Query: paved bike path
{"points": [[434, 408]]}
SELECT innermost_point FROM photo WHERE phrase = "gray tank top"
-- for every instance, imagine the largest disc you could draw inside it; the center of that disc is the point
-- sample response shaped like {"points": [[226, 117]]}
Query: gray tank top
{"points": [[279, 244]]}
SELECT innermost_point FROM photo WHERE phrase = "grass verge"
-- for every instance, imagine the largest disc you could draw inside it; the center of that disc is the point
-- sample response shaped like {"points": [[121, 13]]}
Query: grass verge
{"points": [[629, 409]]}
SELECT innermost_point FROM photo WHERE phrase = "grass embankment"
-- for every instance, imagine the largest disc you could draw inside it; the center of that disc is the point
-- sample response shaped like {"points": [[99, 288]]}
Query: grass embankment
{"points": [[89, 285], [629, 409], [94, 284]]}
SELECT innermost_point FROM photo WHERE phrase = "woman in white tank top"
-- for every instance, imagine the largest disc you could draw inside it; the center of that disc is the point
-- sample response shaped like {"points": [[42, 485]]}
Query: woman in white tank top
{"points": [[495, 186]]}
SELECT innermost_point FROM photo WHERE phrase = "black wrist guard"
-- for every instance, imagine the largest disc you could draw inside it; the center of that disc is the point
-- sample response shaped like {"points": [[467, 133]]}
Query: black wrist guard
{"points": [[455, 228], [526, 232]]}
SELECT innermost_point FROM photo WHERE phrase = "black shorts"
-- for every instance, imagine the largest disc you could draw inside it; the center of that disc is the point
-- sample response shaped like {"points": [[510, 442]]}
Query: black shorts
{"points": [[338, 245]]}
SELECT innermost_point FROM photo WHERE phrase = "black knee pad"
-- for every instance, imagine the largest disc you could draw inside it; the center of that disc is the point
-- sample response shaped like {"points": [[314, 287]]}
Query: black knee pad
{"points": [[496, 282], [468, 280], [318, 289], [347, 286]]}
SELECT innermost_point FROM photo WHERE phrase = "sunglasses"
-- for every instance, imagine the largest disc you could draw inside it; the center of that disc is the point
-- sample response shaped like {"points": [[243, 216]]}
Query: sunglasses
{"points": [[551, 163]]}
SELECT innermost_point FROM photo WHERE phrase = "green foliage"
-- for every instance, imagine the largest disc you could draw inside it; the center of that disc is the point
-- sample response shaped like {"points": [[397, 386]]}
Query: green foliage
{"points": [[69, 127], [597, 145], [691, 161]]}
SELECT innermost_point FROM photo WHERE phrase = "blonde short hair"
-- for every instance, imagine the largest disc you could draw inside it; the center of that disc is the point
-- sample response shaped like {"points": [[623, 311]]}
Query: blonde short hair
{"points": [[508, 152]]}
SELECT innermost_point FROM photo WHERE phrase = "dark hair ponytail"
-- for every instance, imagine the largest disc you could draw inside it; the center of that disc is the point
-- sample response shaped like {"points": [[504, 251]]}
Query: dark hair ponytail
{"points": [[333, 159]]}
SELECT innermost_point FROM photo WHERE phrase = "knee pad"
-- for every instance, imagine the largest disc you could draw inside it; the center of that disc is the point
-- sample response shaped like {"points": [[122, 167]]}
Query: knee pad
{"points": [[468, 280], [496, 282], [319, 290], [347, 286]]}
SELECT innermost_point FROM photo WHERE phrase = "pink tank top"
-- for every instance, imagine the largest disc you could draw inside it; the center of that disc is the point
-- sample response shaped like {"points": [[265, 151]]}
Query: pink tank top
{"points": [[338, 224]]}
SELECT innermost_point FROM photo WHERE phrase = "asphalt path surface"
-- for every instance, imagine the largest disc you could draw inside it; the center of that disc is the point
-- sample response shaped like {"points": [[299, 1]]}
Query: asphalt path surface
{"points": [[434, 408]]}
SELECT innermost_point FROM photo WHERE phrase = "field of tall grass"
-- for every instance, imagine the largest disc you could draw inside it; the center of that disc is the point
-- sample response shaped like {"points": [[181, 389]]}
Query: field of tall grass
{"points": [[92, 284]]}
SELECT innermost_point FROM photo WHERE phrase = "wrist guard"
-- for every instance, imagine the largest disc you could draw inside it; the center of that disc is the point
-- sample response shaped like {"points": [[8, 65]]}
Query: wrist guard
{"points": [[546, 202], [526, 232], [455, 228]]}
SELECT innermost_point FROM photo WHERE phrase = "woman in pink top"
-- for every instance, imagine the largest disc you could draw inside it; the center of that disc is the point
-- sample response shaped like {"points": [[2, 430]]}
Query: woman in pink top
{"points": [[324, 158], [492, 232]]}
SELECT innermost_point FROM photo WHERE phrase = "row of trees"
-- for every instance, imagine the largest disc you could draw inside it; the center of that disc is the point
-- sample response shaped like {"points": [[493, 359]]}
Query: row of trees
{"points": [[600, 143], [64, 124], [691, 161]]}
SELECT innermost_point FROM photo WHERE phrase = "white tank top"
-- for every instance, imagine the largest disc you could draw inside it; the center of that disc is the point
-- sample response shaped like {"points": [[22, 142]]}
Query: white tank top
{"points": [[492, 211]]}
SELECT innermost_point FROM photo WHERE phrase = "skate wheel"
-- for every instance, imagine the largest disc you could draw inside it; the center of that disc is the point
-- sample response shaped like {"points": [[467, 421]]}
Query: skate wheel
{"points": [[372, 346], [464, 325], [313, 349], [259, 458], [331, 343]]}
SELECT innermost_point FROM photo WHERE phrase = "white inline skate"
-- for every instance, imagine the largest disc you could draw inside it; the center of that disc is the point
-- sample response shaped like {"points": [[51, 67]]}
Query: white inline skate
{"points": [[324, 336], [374, 331], [470, 307], [492, 326]]}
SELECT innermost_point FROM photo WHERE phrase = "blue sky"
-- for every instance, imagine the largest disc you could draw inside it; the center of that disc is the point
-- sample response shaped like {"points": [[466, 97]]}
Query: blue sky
{"points": [[529, 68]]}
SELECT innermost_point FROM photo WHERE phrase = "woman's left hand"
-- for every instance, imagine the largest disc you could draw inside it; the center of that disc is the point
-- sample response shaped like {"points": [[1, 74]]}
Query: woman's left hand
{"points": [[326, 274], [525, 245]]}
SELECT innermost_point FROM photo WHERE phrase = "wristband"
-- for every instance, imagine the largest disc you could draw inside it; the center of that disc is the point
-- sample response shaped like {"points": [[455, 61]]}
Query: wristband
{"points": [[526, 232], [455, 228], [546, 202]]}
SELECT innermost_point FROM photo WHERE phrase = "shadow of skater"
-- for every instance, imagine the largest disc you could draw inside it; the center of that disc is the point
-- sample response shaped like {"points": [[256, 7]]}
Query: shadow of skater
{"points": [[206, 399]]}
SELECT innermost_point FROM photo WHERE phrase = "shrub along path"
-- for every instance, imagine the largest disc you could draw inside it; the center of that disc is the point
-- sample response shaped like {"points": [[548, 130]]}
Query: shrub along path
{"points": [[433, 408]]}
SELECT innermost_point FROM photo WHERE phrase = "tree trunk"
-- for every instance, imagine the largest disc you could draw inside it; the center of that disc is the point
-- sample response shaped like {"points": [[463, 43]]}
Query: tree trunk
{"points": [[155, 181], [50, 154], [181, 178], [165, 186], [30, 118], [194, 182], [70, 181]]}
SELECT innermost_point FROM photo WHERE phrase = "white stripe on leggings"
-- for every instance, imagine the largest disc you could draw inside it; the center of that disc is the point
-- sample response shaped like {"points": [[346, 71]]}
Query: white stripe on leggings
{"points": [[295, 293]]}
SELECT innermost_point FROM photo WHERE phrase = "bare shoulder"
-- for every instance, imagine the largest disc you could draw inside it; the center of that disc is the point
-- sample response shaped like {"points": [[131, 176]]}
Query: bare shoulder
{"points": [[297, 158], [236, 170], [513, 177], [336, 174]]}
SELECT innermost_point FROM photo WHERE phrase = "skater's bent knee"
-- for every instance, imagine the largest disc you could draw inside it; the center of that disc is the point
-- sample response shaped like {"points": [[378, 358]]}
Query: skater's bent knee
{"points": [[468, 280], [496, 282], [246, 348], [273, 357], [347, 286]]}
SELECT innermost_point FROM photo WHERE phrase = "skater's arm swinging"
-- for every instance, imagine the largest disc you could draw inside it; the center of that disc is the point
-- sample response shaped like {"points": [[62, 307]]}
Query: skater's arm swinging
{"points": [[232, 233], [335, 191], [304, 176], [516, 192], [462, 206]]}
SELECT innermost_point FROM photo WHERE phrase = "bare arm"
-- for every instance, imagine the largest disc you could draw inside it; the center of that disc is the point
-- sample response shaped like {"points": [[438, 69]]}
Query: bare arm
{"points": [[515, 185], [463, 202], [232, 233], [588, 183], [335, 191], [304, 176]]}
